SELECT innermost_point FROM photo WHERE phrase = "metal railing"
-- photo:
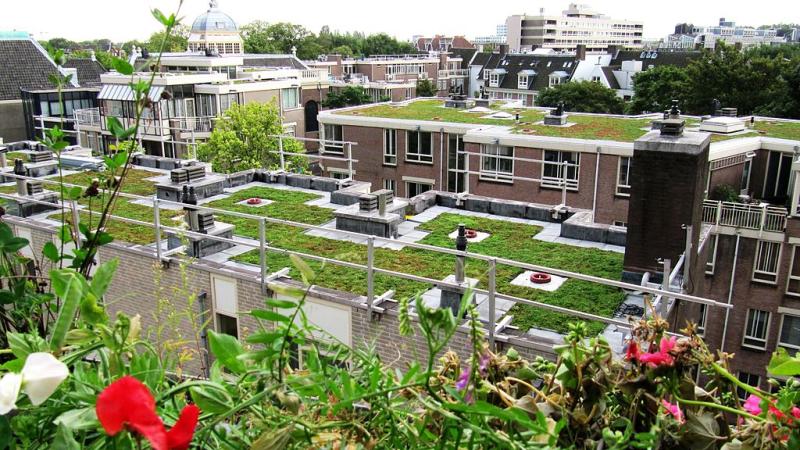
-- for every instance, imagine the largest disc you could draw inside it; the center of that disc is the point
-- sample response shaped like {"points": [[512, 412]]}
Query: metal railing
{"points": [[372, 301], [742, 215], [454, 73], [88, 117]]}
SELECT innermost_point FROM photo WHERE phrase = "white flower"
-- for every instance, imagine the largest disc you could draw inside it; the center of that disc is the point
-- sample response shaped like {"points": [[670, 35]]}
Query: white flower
{"points": [[9, 391], [41, 375]]}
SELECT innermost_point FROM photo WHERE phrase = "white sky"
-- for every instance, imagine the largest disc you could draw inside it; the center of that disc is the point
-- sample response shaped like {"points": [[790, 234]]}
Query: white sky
{"points": [[122, 20]]}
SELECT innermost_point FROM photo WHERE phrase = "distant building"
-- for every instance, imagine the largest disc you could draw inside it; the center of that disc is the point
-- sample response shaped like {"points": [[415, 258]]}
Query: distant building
{"points": [[577, 25], [500, 36], [441, 43], [215, 32], [688, 35]]}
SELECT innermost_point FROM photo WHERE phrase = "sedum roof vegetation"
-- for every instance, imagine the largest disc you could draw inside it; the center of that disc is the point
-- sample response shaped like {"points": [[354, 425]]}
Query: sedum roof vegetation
{"points": [[584, 126]]}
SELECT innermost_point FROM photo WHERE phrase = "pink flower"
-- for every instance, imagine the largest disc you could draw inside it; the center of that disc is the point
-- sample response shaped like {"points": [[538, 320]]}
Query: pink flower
{"points": [[796, 412], [483, 364], [674, 410], [662, 356], [752, 405], [463, 379], [632, 353]]}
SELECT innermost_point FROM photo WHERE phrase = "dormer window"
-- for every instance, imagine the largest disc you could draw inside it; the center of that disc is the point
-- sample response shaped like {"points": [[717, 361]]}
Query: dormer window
{"points": [[522, 82], [494, 79]]}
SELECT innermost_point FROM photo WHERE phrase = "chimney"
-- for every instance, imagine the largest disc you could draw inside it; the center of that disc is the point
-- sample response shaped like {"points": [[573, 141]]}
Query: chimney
{"points": [[580, 52], [93, 56], [443, 61], [503, 49], [668, 178]]}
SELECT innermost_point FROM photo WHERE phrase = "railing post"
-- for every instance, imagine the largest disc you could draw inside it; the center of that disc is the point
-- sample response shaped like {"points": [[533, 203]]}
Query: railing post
{"points": [[666, 285], [370, 274], [763, 220], [564, 180], [280, 151], [492, 313], [350, 160], [262, 253], [718, 214], [157, 223], [76, 221]]}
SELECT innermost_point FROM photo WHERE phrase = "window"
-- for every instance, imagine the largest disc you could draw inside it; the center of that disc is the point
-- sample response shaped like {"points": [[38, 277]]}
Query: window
{"points": [[419, 146], [790, 332], [744, 187], [494, 79], [522, 82], [228, 325], [333, 133], [497, 163], [701, 319], [596, 78], [554, 172], [390, 185], [226, 100], [755, 330], [290, 98], [413, 188], [555, 80], [624, 176], [339, 174], [621, 224], [748, 379], [793, 283], [765, 269], [712, 254], [390, 147]]}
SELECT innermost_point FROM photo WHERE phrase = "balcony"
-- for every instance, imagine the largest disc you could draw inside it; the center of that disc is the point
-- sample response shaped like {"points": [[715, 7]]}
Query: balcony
{"points": [[741, 215], [455, 73], [314, 75], [89, 117]]}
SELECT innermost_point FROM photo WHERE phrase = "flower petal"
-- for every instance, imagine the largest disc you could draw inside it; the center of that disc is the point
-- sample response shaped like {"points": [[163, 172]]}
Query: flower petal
{"points": [[9, 391], [752, 405], [41, 376], [128, 402], [180, 435]]}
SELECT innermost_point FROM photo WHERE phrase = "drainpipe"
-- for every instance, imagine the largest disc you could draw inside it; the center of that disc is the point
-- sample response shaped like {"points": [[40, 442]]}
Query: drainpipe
{"points": [[596, 180], [730, 292], [441, 160]]}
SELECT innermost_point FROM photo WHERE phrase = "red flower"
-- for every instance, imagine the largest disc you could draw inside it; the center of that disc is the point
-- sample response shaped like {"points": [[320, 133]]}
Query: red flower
{"points": [[661, 357], [180, 436], [128, 404], [632, 354]]}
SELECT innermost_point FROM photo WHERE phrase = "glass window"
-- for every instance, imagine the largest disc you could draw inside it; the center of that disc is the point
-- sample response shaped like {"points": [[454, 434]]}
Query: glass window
{"points": [[765, 269], [712, 254], [701, 319], [497, 162], [755, 330], [228, 325], [390, 147], [390, 185], [413, 189], [555, 172], [419, 146], [793, 283], [333, 133], [748, 379], [624, 176], [745, 184], [790, 332], [290, 98], [522, 82], [226, 100]]}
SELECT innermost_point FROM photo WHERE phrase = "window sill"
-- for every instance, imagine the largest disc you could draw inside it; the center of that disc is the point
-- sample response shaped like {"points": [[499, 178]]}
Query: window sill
{"points": [[495, 180], [558, 188], [768, 283], [754, 348], [425, 163], [622, 195], [389, 164]]}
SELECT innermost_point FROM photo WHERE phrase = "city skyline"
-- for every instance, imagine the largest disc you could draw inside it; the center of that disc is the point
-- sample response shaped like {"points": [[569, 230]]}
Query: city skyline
{"points": [[91, 20]]}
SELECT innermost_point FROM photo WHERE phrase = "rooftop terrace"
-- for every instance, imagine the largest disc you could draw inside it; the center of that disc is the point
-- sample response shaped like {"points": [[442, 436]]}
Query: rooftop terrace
{"points": [[584, 126]]}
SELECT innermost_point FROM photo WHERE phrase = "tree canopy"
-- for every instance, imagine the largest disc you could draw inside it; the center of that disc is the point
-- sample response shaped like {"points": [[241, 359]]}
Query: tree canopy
{"points": [[178, 40], [657, 87], [582, 96], [426, 88], [242, 139], [347, 96]]}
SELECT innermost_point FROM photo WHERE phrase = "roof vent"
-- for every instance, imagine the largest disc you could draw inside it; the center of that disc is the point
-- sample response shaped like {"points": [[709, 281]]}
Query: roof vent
{"points": [[673, 125]]}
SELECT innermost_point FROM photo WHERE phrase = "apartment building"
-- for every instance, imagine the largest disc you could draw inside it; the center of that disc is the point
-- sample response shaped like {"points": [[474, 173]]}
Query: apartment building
{"points": [[689, 35], [578, 24], [441, 43]]}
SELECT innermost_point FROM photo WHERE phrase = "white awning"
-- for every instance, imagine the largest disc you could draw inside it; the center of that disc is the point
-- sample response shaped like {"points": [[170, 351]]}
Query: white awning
{"points": [[125, 93]]}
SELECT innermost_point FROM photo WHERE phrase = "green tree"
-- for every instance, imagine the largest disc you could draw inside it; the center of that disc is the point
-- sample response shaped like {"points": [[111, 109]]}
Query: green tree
{"points": [[104, 58], [343, 50], [348, 96], [243, 139], [178, 41], [426, 88], [655, 89], [582, 96]]}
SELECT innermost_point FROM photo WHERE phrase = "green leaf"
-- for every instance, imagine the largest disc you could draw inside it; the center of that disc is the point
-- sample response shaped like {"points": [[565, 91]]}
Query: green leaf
{"points": [[227, 349], [782, 364], [273, 439], [68, 287], [701, 432], [216, 401], [64, 439], [269, 315], [122, 66], [78, 419], [91, 312], [22, 344], [50, 251], [305, 270], [121, 158], [103, 276], [281, 304], [114, 126], [164, 20]]}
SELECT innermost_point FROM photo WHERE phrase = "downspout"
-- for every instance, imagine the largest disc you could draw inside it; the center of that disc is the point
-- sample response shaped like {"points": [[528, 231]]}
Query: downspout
{"points": [[442, 171], [730, 293], [596, 181]]}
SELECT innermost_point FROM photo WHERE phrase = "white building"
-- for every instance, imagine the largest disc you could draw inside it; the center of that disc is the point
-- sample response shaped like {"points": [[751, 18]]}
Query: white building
{"points": [[215, 32], [577, 25], [726, 31]]}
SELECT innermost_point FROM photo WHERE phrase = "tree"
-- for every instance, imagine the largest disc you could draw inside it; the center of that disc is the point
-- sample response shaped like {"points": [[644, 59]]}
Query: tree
{"points": [[582, 96], [655, 89], [178, 40], [348, 96], [426, 88], [243, 140], [104, 58], [343, 50]]}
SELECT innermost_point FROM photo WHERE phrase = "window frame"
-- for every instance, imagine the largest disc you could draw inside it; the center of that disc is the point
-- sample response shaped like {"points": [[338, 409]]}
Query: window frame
{"points": [[494, 79], [218, 328], [408, 190], [741, 393], [754, 339], [417, 157], [390, 184], [623, 190], [781, 343], [795, 256], [389, 151], [332, 147], [522, 81], [702, 322], [710, 266], [496, 174], [557, 182], [768, 277]]}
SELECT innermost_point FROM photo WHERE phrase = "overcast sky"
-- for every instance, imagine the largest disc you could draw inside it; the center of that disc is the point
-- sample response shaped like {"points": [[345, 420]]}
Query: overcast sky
{"points": [[122, 20]]}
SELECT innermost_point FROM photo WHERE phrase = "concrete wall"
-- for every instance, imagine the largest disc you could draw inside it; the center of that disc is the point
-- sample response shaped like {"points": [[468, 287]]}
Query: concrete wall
{"points": [[12, 121]]}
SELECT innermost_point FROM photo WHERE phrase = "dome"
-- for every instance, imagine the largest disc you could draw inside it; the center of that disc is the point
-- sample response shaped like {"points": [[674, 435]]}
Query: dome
{"points": [[214, 21]]}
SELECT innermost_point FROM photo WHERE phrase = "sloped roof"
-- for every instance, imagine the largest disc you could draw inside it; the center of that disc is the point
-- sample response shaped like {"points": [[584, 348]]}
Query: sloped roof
{"points": [[88, 71], [265, 60], [542, 65], [655, 58], [608, 73], [23, 65], [465, 54]]}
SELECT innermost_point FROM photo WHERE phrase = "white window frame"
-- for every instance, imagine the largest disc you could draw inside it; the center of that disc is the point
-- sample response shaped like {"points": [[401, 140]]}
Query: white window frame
{"points": [[416, 156], [284, 98], [780, 331], [624, 190], [762, 272], [330, 147], [490, 154], [390, 184], [389, 147], [702, 321], [749, 338], [712, 262], [522, 81], [741, 393], [573, 184], [339, 174], [793, 278], [554, 80], [494, 79], [408, 187]]}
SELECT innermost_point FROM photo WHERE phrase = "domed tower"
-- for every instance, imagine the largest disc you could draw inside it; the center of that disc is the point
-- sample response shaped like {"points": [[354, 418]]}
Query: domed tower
{"points": [[215, 31]]}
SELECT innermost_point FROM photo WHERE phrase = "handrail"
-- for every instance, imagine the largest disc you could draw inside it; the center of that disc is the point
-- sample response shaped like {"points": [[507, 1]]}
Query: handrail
{"points": [[742, 215]]}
